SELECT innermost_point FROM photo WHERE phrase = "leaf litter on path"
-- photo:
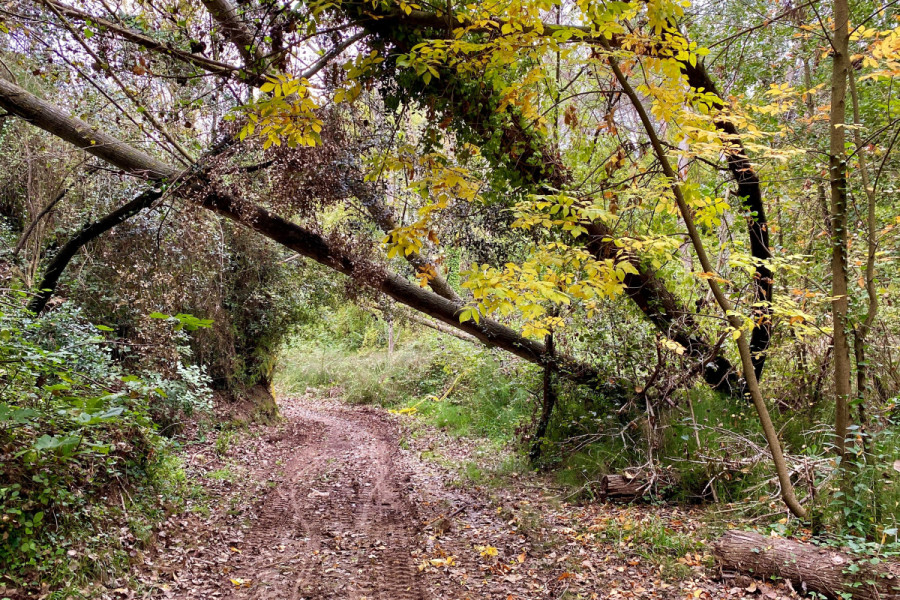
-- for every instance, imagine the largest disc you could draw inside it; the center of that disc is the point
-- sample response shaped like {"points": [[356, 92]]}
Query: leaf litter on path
{"points": [[326, 504]]}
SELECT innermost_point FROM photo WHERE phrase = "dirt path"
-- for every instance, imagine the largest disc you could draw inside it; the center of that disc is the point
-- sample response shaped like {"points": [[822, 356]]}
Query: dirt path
{"points": [[340, 523], [331, 520], [329, 504]]}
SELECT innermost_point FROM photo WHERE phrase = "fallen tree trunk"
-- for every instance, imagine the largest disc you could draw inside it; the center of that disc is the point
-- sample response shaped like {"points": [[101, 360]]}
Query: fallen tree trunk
{"points": [[58, 122], [548, 168], [539, 164], [623, 487], [532, 162], [810, 569]]}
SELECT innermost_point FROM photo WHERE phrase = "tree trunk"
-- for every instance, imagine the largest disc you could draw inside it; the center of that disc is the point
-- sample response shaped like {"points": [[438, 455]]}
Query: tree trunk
{"points": [[810, 569], [548, 404], [384, 218], [623, 487], [145, 41], [837, 163], [744, 348], [538, 164], [88, 233], [749, 192], [52, 119], [667, 313], [236, 31], [861, 333]]}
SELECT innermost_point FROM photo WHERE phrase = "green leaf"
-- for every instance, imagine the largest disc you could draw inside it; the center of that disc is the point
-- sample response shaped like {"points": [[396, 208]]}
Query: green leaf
{"points": [[64, 445]]}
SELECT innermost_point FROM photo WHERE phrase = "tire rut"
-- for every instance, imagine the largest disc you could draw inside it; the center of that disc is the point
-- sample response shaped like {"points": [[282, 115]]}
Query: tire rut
{"points": [[340, 522]]}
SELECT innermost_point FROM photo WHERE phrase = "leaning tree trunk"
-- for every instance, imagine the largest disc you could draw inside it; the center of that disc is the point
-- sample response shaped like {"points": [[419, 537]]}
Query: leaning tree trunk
{"points": [[56, 121], [538, 164], [810, 569], [88, 233]]}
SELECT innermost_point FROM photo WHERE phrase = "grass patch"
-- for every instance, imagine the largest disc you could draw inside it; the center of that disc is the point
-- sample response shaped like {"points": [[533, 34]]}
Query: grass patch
{"points": [[654, 541], [367, 377], [224, 474], [463, 389]]}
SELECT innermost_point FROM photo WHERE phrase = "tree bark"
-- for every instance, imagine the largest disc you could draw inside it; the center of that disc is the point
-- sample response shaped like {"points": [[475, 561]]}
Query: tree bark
{"points": [[810, 569], [749, 191], [753, 390], [383, 216], [548, 403], [837, 164], [622, 487], [58, 122], [226, 15]]}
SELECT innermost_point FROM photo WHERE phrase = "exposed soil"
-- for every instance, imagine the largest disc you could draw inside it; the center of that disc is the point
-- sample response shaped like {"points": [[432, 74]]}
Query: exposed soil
{"points": [[328, 505]]}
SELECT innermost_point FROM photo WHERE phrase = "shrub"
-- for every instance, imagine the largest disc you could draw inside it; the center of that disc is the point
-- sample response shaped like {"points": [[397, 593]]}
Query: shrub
{"points": [[76, 434]]}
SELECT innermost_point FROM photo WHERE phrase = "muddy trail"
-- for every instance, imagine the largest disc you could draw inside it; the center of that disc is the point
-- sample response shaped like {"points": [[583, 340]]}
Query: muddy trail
{"points": [[341, 522], [332, 520], [346, 502]]}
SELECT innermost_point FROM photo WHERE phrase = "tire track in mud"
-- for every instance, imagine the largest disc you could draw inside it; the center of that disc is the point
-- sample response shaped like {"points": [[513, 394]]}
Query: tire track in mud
{"points": [[340, 523]]}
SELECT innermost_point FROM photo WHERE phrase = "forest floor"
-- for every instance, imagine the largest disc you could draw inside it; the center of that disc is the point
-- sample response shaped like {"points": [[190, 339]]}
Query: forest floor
{"points": [[352, 502]]}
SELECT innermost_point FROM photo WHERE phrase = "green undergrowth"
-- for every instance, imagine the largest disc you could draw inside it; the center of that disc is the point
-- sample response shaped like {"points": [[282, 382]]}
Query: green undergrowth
{"points": [[653, 538], [702, 446], [85, 470], [457, 387]]}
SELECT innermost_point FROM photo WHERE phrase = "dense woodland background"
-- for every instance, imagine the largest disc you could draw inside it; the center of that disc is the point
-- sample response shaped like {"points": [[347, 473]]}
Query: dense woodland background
{"points": [[655, 239]]}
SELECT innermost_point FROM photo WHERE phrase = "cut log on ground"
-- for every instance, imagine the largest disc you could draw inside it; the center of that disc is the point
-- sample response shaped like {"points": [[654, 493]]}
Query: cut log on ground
{"points": [[623, 487], [809, 568]]}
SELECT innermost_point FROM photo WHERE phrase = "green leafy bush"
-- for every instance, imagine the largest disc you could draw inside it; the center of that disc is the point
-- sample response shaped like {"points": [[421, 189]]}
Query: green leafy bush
{"points": [[76, 434]]}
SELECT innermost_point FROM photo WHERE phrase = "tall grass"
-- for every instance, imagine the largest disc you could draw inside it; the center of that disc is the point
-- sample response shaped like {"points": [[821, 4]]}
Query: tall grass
{"points": [[464, 389], [364, 377]]}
